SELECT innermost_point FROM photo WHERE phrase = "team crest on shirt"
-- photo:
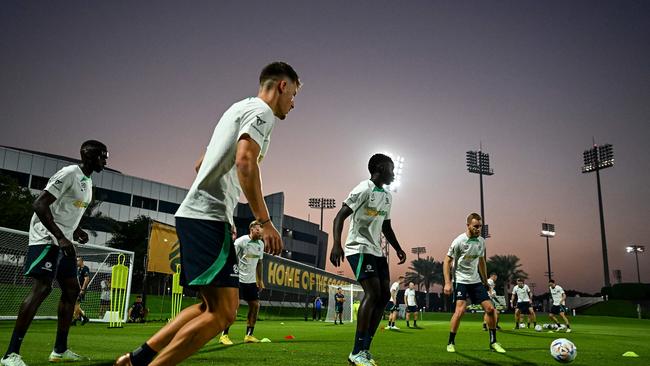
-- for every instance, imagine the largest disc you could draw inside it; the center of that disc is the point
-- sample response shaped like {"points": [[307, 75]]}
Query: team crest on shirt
{"points": [[465, 246], [83, 186]]}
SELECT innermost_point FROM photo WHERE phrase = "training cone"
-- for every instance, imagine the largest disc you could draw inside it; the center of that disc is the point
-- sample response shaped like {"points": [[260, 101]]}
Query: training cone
{"points": [[289, 337], [630, 354], [265, 340]]}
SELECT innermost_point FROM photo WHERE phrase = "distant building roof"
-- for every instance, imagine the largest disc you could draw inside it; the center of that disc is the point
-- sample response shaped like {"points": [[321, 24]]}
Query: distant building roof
{"points": [[54, 156]]}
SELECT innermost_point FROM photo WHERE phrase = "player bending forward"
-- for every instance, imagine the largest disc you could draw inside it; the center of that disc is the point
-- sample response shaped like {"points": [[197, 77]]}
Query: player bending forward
{"points": [[559, 305]]}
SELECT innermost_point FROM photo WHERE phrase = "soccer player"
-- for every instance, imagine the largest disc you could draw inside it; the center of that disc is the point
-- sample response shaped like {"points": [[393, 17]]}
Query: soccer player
{"points": [[369, 205], [392, 307], [51, 254], [467, 255], [105, 297], [492, 293], [339, 300], [83, 275], [411, 305], [524, 305], [559, 305], [229, 165], [250, 250], [138, 312]]}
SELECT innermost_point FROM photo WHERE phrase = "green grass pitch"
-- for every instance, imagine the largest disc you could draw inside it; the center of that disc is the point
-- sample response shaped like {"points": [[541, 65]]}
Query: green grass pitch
{"points": [[600, 341]]}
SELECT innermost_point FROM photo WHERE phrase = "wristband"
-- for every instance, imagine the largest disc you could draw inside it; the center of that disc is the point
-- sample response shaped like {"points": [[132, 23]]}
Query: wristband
{"points": [[261, 223]]}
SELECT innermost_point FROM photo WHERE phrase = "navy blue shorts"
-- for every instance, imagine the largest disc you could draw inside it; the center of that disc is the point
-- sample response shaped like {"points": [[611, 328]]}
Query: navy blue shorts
{"points": [[367, 266], [208, 256], [48, 261], [249, 291], [557, 309], [412, 309], [338, 308], [524, 307], [477, 292], [391, 306]]}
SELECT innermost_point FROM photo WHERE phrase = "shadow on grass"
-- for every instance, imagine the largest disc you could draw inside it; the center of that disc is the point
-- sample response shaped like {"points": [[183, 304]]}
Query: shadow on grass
{"points": [[518, 361]]}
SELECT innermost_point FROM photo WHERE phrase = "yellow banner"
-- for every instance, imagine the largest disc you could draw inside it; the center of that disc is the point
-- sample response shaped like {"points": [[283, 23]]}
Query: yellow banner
{"points": [[164, 249]]}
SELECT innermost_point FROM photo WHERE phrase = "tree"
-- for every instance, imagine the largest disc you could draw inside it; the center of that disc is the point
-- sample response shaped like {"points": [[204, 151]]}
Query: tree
{"points": [[425, 272], [507, 268], [15, 204], [132, 235], [94, 220]]}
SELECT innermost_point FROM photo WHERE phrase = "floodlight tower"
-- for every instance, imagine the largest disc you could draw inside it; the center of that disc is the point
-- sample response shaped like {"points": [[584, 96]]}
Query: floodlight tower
{"points": [[478, 162], [418, 250], [548, 231], [636, 249], [322, 204], [595, 159]]}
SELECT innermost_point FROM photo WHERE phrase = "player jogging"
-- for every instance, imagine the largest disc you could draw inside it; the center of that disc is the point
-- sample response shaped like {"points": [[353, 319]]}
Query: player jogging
{"points": [[51, 254], [250, 250], [524, 305], [229, 166], [467, 256], [369, 205], [559, 305], [411, 305], [392, 307]]}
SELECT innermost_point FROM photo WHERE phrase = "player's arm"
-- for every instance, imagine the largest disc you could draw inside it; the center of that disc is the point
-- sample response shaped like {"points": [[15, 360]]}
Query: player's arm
{"points": [[42, 210], [258, 274], [197, 164], [446, 271], [336, 255], [512, 298], [482, 269], [248, 172], [387, 229], [84, 286]]}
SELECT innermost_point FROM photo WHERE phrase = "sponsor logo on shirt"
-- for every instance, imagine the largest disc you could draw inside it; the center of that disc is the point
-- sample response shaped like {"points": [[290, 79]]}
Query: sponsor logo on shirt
{"points": [[374, 213], [259, 121], [80, 204]]}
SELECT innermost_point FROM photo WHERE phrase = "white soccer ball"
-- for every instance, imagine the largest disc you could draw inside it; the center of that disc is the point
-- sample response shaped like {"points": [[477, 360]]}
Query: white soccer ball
{"points": [[563, 350], [538, 328], [522, 325]]}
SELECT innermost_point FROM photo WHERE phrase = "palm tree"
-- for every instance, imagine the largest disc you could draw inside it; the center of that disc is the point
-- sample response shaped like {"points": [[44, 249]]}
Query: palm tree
{"points": [[507, 268], [93, 220], [425, 273]]}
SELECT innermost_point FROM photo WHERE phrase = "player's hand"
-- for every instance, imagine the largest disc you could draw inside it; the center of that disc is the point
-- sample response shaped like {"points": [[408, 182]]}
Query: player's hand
{"points": [[447, 289], [67, 247], [401, 255], [272, 240], [260, 286], [336, 255], [80, 236]]}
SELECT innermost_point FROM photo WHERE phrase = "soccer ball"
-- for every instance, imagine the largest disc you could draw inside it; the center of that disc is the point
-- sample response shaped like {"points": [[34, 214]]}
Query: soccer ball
{"points": [[538, 328], [563, 350], [522, 325]]}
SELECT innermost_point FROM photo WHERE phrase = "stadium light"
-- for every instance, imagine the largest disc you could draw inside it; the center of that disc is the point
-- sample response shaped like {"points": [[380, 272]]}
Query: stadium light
{"points": [[636, 249], [595, 159], [322, 204], [398, 162], [478, 162], [418, 250], [548, 231]]}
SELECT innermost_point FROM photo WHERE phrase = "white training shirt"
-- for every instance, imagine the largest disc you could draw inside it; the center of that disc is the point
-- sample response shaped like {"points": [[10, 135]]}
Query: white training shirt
{"points": [[371, 206], [466, 253], [73, 192], [106, 291], [394, 288], [216, 190], [491, 290], [556, 294], [249, 253], [410, 297], [522, 293]]}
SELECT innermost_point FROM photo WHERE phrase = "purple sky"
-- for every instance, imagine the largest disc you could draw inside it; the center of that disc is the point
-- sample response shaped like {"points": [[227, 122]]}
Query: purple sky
{"points": [[534, 81]]}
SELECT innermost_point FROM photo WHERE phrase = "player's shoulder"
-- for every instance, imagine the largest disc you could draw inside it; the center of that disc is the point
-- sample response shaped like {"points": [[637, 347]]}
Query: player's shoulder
{"points": [[254, 105], [242, 239], [68, 171], [461, 238]]}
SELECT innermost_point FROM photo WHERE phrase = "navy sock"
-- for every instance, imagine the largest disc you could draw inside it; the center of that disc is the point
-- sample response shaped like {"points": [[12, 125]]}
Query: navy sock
{"points": [[367, 342], [415, 323], [407, 324], [143, 355], [225, 331], [249, 330], [61, 343], [359, 341], [452, 338], [493, 336], [15, 343]]}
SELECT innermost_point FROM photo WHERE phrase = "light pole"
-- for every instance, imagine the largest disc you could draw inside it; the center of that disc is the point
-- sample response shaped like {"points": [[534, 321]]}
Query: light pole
{"points": [[548, 231], [322, 204], [595, 159], [636, 249], [418, 250], [478, 162]]}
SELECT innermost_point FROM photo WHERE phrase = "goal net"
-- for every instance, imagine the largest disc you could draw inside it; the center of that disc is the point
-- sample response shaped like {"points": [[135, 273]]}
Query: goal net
{"points": [[353, 294], [15, 286]]}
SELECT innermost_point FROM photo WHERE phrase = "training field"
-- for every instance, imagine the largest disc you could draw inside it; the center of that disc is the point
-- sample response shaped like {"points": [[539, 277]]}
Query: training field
{"points": [[600, 341]]}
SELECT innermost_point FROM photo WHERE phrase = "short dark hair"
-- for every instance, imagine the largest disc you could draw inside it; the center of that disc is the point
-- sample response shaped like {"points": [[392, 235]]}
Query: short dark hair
{"points": [[493, 274], [376, 161], [278, 70], [93, 145], [473, 216], [520, 279], [551, 281]]}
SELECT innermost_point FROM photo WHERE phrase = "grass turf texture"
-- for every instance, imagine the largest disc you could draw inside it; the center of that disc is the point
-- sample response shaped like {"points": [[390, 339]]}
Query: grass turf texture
{"points": [[600, 341]]}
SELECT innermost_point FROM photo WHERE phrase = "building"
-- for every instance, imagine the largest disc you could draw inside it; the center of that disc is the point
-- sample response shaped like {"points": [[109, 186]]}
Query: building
{"points": [[124, 197]]}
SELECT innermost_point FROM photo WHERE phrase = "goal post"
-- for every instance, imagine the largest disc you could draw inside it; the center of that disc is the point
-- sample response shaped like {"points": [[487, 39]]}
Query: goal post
{"points": [[353, 295], [15, 286]]}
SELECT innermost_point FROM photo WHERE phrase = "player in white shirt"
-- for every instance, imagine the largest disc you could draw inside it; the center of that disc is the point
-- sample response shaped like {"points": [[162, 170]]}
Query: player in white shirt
{"points": [[250, 251], [467, 256], [524, 303], [492, 293], [51, 254], [229, 166], [369, 205], [392, 307], [559, 305], [411, 305]]}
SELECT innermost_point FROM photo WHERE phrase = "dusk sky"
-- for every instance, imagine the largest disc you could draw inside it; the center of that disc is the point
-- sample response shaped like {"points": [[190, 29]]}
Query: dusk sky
{"points": [[534, 81]]}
